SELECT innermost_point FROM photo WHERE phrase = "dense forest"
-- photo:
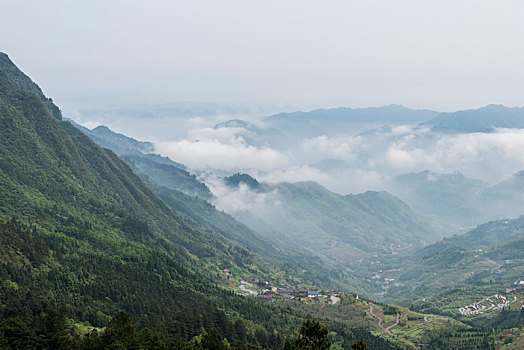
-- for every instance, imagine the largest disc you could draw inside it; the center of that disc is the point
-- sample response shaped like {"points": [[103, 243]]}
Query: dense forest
{"points": [[99, 252], [82, 238]]}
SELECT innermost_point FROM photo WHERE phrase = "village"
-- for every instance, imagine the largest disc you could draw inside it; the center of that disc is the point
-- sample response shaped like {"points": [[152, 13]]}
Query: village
{"points": [[509, 299], [301, 295], [266, 291]]}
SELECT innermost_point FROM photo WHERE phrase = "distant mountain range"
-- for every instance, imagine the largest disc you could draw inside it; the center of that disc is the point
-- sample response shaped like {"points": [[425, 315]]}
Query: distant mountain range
{"points": [[187, 195], [458, 202], [85, 232], [284, 130], [305, 215], [485, 260], [485, 119], [82, 234], [340, 120], [392, 114]]}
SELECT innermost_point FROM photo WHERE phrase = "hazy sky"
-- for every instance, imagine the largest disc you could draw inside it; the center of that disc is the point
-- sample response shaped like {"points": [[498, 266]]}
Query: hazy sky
{"points": [[438, 54]]}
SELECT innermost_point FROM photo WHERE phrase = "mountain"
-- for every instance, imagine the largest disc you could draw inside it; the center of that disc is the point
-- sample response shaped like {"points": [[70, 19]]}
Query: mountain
{"points": [[83, 237], [338, 228], [205, 214], [452, 199], [485, 260], [392, 114], [485, 236], [140, 156], [183, 193], [168, 174], [344, 120], [458, 203], [507, 197], [90, 230], [485, 119], [118, 143], [284, 130], [239, 178], [82, 234]]}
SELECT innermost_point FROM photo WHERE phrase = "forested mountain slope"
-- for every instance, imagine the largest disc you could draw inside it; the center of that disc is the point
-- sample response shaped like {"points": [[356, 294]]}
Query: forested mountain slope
{"points": [[341, 228], [186, 195], [81, 233], [164, 171], [488, 258]]}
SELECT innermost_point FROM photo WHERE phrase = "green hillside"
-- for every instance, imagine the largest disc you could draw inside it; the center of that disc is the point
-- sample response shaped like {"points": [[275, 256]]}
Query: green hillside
{"points": [[79, 232], [168, 175], [186, 195], [487, 259], [83, 237], [118, 143], [140, 156], [337, 228]]}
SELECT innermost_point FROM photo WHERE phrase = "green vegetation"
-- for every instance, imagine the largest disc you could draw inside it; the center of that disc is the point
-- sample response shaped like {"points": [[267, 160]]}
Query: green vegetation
{"points": [[80, 233], [484, 261], [187, 196], [83, 237], [326, 235], [337, 228], [312, 336], [139, 155], [120, 333]]}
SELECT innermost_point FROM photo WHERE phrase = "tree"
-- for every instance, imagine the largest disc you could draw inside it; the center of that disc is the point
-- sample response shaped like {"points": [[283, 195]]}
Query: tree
{"points": [[359, 345], [53, 333], [312, 336], [121, 333], [214, 341], [14, 334]]}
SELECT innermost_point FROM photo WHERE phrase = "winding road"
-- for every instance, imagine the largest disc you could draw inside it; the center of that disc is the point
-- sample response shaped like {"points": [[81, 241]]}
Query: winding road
{"points": [[381, 320]]}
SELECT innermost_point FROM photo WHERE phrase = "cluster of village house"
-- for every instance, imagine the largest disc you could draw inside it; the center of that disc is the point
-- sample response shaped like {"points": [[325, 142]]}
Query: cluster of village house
{"points": [[519, 288], [295, 294], [274, 293]]}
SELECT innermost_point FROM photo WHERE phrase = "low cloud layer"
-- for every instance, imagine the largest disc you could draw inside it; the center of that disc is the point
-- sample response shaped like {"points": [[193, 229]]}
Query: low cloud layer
{"points": [[354, 163], [231, 155], [241, 198]]}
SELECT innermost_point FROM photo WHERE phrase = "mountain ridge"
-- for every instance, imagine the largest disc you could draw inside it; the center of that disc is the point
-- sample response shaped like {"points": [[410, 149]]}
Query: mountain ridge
{"points": [[485, 119]]}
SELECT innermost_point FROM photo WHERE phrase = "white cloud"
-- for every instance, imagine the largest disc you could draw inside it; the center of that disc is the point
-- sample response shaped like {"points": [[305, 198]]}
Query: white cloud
{"points": [[295, 174], [323, 147], [236, 199], [361, 162], [234, 154], [224, 135]]}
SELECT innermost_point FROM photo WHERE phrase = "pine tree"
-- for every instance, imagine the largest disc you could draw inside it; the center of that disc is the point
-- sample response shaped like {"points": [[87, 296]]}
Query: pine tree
{"points": [[213, 341], [359, 345], [53, 333], [14, 334], [312, 336], [121, 333]]}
